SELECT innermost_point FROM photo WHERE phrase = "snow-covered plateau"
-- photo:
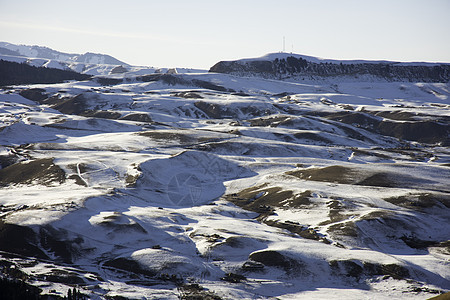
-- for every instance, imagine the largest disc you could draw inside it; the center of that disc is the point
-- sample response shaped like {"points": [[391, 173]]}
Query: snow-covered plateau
{"points": [[137, 185]]}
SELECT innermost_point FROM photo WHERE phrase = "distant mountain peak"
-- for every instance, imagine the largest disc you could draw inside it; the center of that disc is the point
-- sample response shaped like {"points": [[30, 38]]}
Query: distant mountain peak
{"points": [[48, 53]]}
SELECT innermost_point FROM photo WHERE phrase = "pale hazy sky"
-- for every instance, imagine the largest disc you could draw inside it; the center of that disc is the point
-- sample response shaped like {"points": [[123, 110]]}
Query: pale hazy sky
{"points": [[199, 33]]}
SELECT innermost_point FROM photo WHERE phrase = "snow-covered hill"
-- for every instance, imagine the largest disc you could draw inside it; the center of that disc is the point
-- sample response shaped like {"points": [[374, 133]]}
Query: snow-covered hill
{"points": [[215, 186], [88, 63], [45, 52], [299, 67]]}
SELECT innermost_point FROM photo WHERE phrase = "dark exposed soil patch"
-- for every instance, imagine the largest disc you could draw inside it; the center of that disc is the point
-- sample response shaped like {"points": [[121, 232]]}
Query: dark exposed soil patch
{"points": [[356, 269], [233, 278], [348, 229], [445, 296], [421, 131], [316, 137], [76, 105], [276, 259], [269, 121], [378, 179], [335, 212], [171, 79], [188, 95], [346, 175], [103, 114], [56, 242], [444, 247], [20, 240], [128, 265], [337, 174], [301, 230], [108, 81], [346, 267], [40, 171], [242, 94], [194, 291], [420, 201], [416, 243], [262, 200], [259, 198], [119, 70], [358, 119], [78, 179], [211, 86], [219, 111], [34, 94], [370, 153], [166, 78], [7, 160], [216, 111], [63, 276], [137, 117], [396, 115], [168, 136]]}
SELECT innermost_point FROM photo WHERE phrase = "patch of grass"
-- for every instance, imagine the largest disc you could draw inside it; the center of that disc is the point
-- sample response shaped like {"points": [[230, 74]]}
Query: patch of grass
{"points": [[343, 229], [375, 215], [349, 268], [169, 136], [337, 174], [188, 95], [444, 247], [233, 278], [334, 213], [416, 243], [420, 201], [194, 291], [378, 179], [272, 121], [103, 114], [39, 171], [275, 259], [137, 117], [300, 200], [128, 265], [261, 199], [312, 136]]}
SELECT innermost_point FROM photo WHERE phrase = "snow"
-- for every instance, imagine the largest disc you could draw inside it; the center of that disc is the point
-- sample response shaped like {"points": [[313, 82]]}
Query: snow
{"points": [[158, 193]]}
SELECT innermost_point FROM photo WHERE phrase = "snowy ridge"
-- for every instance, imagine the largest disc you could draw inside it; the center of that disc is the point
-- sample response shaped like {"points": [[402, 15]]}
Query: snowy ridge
{"points": [[215, 186], [301, 67], [45, 52], [88, 63], [284, 55]]}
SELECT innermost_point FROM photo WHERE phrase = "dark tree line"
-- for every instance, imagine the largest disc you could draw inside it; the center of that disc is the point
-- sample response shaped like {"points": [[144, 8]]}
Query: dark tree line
{"points": [[292, 66], [12, 73], [18, 290]]}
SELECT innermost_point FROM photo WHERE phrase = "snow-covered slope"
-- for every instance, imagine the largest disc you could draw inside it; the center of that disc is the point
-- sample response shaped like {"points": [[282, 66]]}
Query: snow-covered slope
{"points": [[45, 52], [87, 63], [214, 186]]}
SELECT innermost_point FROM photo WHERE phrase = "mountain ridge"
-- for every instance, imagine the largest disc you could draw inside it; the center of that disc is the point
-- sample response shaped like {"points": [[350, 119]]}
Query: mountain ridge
{"points": [[35, 51], [286, 65]]}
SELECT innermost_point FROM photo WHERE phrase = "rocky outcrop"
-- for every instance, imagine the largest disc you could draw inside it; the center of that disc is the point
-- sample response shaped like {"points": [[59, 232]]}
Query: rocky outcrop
{"points": [[292, 66]]}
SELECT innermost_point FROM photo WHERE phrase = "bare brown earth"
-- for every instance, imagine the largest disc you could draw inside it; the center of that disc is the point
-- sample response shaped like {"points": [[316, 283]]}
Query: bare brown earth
{"points": [[39, 171]]}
